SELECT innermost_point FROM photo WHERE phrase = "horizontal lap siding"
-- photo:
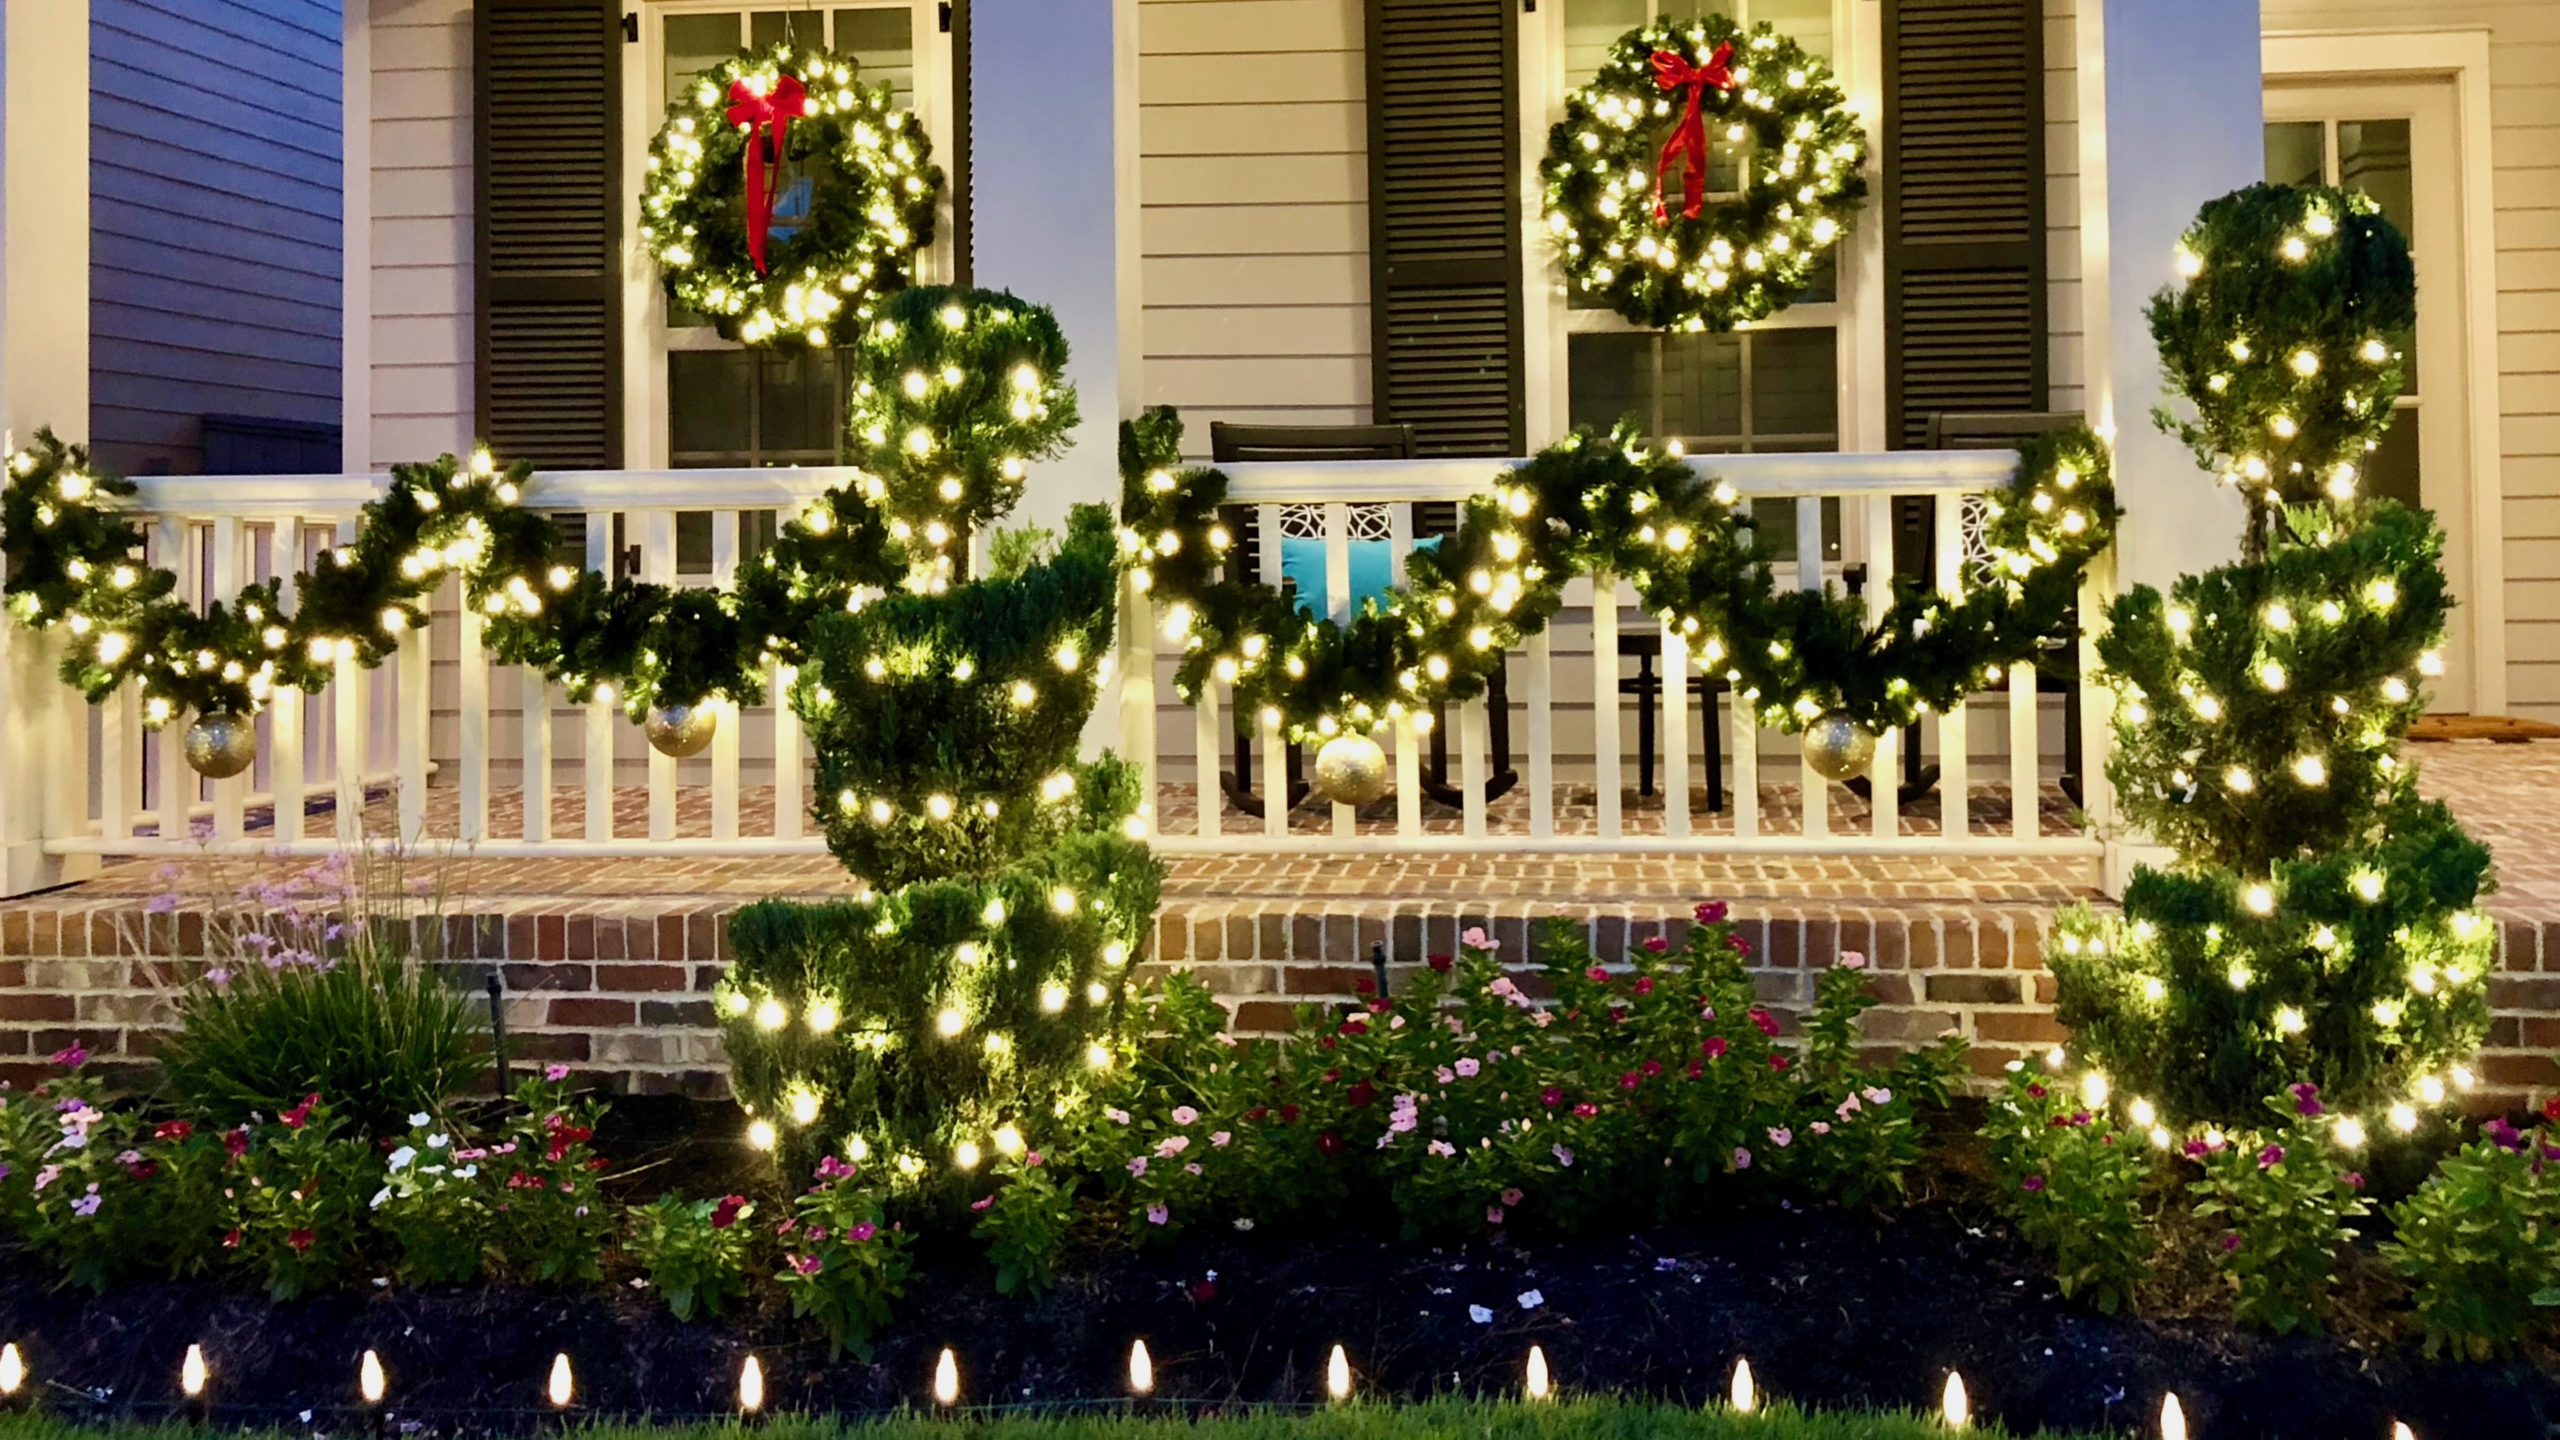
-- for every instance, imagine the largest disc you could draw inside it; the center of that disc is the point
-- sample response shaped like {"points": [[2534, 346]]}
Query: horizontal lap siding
{"points": [[214, 223], [2524, 117], [1254, 221], [422, 282]]}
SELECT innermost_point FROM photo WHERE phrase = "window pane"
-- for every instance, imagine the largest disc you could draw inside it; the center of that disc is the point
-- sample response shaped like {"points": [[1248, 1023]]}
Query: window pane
{"points": [[800, 27], [1609, 377], [693, 542], [1590, 26], [1807, 22], [2391, 471], [695, 43], [1702, 390], [1795, 388], [2295, 153], [797, 408], [707, 400], [2373, 156], [881, 41]]}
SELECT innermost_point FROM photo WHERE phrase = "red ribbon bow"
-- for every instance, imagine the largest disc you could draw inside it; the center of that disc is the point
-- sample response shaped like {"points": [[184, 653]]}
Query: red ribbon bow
{"points": [[768, 121], [1688, 138]]}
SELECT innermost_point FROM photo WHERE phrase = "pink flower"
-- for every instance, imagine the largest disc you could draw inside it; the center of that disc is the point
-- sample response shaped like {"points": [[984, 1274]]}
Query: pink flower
{"points": [[1493, 1214], [1714, 1048], [1656, 944], [1218, 1139], [555, 1073], [1172, 1145], [1596, 975], [1741, 1158], [71, 1057], [1441, 1148], [862, 1232], [1476, 939], [807, 1264], [1820, 1127], [1551, 1097], [87, 1205], [2271, 1157], [982, 1202], [2032, 1184], [1192, 1169], [1877, 1095], [1137, 1164], [1781, 1136], [1563, 1156], [1511, 1196], [831, 1168], [1644, 985], [1712, 912], [1848, 1108], [1115, 1114], [2306, 1099], [1468, 1068], [1158, 1214], [1184, 1114], [1630, 1080], [1035, 1159], [1585, 1110], [1778, 1062], [1766, 1023], [1853, 960]]}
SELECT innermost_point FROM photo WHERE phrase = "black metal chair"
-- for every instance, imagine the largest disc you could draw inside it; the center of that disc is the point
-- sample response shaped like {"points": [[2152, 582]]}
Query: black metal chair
{"points": [[1242, 444], [1915, 540]]}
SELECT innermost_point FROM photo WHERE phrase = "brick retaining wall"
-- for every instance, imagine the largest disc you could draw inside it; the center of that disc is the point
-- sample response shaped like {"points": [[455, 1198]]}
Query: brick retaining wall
{"points": [[620, 990]]}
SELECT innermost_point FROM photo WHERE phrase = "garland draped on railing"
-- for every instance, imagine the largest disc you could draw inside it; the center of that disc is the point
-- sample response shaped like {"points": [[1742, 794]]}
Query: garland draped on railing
{"points": [[72, 548], [1605, 502]]}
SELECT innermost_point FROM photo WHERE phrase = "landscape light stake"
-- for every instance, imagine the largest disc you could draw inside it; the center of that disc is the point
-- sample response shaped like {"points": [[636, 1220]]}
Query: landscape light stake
{"points": [[751, 1392], [370, 1384], [2173, 1419], [1142, 1379], [13, 1379], [1954, 1406], [1378, 962], [562, 1391], [498, 1030], [191, 1382]]}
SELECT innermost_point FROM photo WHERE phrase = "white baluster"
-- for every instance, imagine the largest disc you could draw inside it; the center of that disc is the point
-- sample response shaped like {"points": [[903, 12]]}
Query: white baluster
{"points": [[1337, 605], [1542, 734], [1605, 762], [2022, 751], [472, 673], [119, 763], [1275, 768], [354, 749], [415, 670], [178, 784], [1135, 637], [789, 764], [231, 796], [600, 736], [1955, 752], [1814, 791], [1409, 731], [287, 707], [1472, 750], [1746, 768], [658, 567], [1204, 740], [1884, 778], [1675, 732], [732, 714], [535, 788]]}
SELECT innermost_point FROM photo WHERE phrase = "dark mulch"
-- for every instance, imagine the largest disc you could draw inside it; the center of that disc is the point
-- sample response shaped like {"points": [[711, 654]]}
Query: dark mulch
{"points": [[1833, 1310]]}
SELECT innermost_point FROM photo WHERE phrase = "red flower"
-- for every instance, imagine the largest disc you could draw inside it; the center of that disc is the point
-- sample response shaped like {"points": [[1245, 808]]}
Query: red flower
{"points": [[1254, 1115], [1364, 986], [1712, 913], [1714, 1048], [1697, 1068], [1441, 963], [1327, 1043], [2035, 1091], [1288, 1114], [1355, 1026], [1740, 946], [1644, 985], [1329, 1143], [1585, 1110], [2551, 1108], [1330, 1076], [725, 1214], [172, 1130], [299, 1239], [1596, 975], [1767, 1022], [1551, 1097], [1630, 1080], [236, 1141], [1360, 1095], [1380, 1007], [300, 1115], [1651, 1068], [1204, 1292], [231, 1241], [1778, 1062], [143, 1170]]}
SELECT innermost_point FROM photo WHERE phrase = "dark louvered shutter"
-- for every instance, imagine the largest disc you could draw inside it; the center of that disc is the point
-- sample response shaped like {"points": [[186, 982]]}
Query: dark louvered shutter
{"points": [[1964, 212], [1444, 223], [547, 76]]}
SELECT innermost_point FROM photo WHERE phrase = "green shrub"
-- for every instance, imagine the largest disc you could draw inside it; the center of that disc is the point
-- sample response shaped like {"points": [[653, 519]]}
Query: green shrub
{"points": [[322, 988], [2480, 1242], [434, 1206], [695, 1251], [297, 1198], [553, 1223], [2071, 1180], [2282, 1201], [1025, 1223], [843, 1263], [99, 1189]]}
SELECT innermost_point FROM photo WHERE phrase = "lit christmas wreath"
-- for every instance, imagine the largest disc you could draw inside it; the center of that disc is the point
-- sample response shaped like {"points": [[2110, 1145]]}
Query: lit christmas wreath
{"points": [[1690, 262], [784, 197]]}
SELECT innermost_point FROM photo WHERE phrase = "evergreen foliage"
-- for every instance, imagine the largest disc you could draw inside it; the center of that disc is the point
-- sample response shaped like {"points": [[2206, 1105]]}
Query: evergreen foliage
{"points": [[2317, 924], [949, 1014]]}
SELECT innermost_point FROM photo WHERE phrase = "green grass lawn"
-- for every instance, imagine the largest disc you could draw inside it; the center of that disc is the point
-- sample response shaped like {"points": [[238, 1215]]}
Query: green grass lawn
{"points": [[1596, 1419]]}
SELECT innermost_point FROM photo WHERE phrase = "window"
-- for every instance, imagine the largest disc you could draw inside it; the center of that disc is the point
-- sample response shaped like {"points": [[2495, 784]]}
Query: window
{"points": [[1775, 386]]}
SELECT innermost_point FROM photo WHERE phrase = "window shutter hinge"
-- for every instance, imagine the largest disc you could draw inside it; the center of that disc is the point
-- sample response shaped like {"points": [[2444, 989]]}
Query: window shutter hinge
{"points": [[631, 28], [945, 16]]}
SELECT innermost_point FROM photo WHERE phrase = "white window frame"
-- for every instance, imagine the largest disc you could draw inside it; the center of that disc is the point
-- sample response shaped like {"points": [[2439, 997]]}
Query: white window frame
{"points": [[1548, 323], [647, 338]]}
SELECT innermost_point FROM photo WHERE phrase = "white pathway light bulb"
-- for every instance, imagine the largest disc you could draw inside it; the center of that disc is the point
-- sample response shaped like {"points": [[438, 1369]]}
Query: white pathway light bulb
{"points": [[191, 1373], [751, 1386], [1538, 1386], [1142, 1370], [1954, 1406], [369, 1381], [564, 1386], [2173, 1420], [946, 1379], [1337, 1375], [13, 1371], [1746, 1396]]}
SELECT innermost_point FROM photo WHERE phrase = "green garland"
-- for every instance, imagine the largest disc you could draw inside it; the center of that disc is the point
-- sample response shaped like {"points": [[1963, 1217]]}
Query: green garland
{"points": [[864, 223], [1735, 261], [1596, 502]]}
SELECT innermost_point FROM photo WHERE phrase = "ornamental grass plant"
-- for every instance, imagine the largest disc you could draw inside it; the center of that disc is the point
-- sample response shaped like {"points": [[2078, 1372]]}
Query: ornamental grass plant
{"points": [[329, 980]]}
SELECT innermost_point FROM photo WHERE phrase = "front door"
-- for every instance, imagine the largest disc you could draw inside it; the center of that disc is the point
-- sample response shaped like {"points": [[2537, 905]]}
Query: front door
{"points": [[2395, 141]]}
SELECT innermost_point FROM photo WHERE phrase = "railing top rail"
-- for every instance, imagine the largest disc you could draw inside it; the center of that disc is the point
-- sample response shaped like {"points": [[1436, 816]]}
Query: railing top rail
{"points": [[260, 497], [1898, 472]]}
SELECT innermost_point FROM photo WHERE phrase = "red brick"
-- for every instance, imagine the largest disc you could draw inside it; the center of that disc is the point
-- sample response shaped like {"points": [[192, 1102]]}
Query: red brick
{"points": [[550, 978], [520, 941], [1991, 945], [22, 1007], [670, 938], [2021, 1027], [1323, 979], [628, 976], [579, 938], [551, 937], [590, 1013], [1263, 1017]]}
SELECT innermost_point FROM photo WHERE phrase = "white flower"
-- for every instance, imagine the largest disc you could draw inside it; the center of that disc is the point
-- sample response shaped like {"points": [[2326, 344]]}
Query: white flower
{"points": [[419, 1120], [466, 1172], [401, 1157], [1531, 1299], [381, 1195], [1479, 1314], [438, 1142], [1243, 1225]]}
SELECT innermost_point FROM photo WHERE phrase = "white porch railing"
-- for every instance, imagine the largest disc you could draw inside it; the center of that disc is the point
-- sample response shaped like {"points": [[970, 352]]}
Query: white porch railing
{"points": [[1571, 794], [450, 747]]}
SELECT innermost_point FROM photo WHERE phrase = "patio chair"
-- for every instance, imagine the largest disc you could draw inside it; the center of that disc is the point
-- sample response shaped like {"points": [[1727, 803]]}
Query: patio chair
{"points": [[1915, 557], [1235, 444]]}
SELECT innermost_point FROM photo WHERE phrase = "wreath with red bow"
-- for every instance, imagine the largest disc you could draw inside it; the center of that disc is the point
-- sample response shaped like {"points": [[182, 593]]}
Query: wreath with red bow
{"points": [[1702, 174], [784, 197]]}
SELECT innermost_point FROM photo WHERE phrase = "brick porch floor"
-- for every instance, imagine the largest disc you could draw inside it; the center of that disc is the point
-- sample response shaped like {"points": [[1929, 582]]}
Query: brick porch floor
{"points": [[604, 959]]}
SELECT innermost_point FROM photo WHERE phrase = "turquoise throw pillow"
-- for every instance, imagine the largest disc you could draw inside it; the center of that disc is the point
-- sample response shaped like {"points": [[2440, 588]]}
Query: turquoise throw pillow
{"points": [[1372, 574]]}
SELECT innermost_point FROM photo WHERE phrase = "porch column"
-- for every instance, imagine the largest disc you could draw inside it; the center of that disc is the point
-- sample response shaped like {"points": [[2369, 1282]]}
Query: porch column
{"points": [[44, 380], [1053, 157], [2171, 115]]}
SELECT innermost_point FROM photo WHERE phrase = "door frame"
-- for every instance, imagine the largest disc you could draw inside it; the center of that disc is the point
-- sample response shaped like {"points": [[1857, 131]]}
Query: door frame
{"points": [[2461, 56]]}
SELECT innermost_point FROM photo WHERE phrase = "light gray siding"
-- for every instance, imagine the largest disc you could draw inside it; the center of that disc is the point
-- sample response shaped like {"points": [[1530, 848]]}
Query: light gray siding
{"points": [[214, 221]]}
